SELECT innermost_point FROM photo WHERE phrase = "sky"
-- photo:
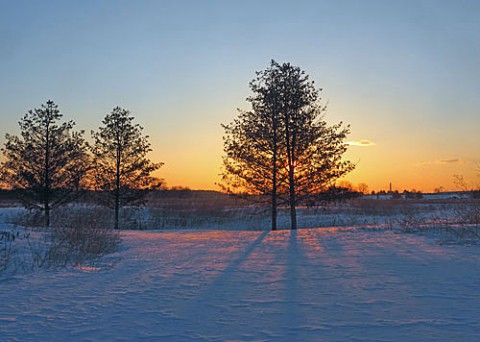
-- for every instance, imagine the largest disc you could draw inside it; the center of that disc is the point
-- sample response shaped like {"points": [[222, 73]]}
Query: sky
{"points": [[403, 74]]}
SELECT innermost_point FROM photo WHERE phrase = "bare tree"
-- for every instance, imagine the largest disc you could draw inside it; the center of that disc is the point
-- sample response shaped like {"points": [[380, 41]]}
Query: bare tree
{"points": [[121, 167], [38, 161], [363, 188]]}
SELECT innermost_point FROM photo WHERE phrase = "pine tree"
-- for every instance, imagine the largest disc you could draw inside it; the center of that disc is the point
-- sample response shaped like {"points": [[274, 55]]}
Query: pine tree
{"points": [[252, 146], [122, 170], [283, 146], [38, 161]]}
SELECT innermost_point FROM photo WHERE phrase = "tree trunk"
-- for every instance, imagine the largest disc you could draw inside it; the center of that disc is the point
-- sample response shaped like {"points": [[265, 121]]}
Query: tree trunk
{"points": [[117, 186], [117, 205], [290, 144], [293, 204], [117, 197], [274, 178], [274, 192], [47, 185], [47, 213]]}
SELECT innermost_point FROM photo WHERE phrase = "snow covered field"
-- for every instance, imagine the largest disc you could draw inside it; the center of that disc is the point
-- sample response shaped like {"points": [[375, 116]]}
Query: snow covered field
{"points": [[310, 285]]}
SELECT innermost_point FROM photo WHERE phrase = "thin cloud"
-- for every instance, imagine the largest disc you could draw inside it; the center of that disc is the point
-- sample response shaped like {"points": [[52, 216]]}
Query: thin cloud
{"points": [[444, 161], [449, 161], [361, 143]]}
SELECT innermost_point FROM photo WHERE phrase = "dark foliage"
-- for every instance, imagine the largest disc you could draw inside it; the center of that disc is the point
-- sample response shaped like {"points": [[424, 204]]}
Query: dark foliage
{"points": [[41, 161], [122, 170], [282, 147]]}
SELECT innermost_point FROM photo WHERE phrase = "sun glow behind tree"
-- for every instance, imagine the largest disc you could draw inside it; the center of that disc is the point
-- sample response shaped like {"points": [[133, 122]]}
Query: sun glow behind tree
{"points": [[282, 149]]}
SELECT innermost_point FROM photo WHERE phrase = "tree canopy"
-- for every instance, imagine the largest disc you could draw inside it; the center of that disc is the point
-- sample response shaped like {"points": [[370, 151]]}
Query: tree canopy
{"points": [[282, 148], [122, 170], [40, 161]]}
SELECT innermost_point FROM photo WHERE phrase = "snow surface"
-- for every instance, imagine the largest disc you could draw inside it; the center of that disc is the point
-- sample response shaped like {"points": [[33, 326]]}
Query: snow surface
{"points": [[309, 285]]}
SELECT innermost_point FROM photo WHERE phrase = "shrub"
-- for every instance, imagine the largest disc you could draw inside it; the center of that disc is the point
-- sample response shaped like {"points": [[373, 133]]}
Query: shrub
{"points": [[76, 237], [469, 212], [6, 241], [80, 238], [9, 245]]}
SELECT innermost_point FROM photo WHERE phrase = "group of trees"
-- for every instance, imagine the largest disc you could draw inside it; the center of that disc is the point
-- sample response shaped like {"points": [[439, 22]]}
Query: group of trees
{"points": [[50, 162], [282, 148]]}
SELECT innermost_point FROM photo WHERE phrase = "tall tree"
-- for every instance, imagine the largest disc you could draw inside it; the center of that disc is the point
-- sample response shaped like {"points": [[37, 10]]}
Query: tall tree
{"points": [[38, 161], [314, 150], [252, 145], [283, 147], [121, 167]]}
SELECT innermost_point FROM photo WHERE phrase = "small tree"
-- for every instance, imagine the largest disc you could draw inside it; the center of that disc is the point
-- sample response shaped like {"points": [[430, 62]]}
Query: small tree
{"points": [[121, 169], [38, 161], [363, 188]]}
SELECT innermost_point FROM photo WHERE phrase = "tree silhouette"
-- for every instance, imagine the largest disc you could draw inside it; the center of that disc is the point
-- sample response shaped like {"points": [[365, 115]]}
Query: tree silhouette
{"points": [[121, 169], [283, 147], [39, 161], [363, 188], [313, 148], [252, 145]]}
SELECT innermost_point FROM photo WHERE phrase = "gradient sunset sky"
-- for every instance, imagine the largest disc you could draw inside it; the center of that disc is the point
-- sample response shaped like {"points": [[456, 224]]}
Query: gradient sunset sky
{"points": [[404, 74]]}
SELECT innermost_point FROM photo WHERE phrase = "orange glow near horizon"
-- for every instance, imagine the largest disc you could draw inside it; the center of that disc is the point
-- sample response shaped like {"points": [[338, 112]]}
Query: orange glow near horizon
{"points": [[377, 170], [408, 152]]}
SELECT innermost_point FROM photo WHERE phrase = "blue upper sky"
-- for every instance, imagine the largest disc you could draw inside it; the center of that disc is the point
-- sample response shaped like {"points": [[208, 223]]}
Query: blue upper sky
{"points": [[404, 74]]}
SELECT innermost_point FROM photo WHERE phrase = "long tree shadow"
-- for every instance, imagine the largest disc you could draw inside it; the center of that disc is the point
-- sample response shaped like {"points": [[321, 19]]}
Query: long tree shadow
{"points": [[220, 290], [227, 273], [293, 318]]}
